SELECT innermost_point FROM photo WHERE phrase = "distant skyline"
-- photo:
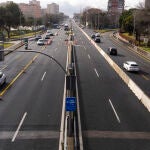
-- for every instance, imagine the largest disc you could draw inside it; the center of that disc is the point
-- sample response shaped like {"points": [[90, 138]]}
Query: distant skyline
{"points": [[75, 6]]}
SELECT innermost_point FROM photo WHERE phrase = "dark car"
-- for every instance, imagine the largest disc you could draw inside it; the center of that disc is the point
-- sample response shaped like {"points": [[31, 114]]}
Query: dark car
{"points": [[97, 39], [112, 51]]}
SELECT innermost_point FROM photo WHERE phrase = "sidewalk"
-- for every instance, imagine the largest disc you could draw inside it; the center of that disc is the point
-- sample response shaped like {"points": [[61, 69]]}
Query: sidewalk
{"points": [[16, 44]]}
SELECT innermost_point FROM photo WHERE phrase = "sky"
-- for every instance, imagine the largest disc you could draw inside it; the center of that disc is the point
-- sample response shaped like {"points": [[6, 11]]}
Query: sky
{"points": [[75, 6]]}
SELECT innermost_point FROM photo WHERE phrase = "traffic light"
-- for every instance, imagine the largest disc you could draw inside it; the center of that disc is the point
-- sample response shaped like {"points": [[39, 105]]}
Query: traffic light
{"points": [[26, 43]]}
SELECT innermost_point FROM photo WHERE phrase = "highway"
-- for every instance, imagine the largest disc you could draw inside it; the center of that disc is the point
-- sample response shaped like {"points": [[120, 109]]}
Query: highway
{"points": [[30, 109], [112, 117], [142, 78]]}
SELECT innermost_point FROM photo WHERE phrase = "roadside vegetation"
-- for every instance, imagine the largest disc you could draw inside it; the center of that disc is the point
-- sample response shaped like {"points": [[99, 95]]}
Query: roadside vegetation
{"points": [[6, 45], [11, 17], [134, 27]]}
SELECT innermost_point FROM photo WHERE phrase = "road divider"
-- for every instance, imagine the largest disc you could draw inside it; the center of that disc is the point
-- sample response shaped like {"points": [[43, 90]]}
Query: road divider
{"points": [[131, 84]]}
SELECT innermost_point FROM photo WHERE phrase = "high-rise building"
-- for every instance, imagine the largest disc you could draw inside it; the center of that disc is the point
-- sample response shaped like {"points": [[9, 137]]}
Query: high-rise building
{"points": [[33, 9], [115, 6], [147, 3], [53, 8]]}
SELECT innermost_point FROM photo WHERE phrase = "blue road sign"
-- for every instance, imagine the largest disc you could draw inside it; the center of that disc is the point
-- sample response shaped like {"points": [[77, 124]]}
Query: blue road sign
{"points": [[71, 104]]}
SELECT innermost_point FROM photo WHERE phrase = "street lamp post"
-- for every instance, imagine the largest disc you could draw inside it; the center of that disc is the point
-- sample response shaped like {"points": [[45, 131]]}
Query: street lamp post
{"points": [[134, 20]]}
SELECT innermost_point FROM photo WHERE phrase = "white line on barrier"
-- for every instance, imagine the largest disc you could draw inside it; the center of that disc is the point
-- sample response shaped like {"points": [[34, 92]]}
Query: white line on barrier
{"points": [[96, 72], [43, 76], [114, 111], [20, 124]]}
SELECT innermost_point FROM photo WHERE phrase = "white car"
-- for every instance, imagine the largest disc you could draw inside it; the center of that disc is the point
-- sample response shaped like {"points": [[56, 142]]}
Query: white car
{"points": [[41, 42], [2, 78], [131, 66]]}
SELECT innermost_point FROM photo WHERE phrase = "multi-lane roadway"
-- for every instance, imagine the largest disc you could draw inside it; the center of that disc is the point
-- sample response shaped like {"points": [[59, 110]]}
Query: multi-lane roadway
{"points": [[31, 101], [112, 117]]}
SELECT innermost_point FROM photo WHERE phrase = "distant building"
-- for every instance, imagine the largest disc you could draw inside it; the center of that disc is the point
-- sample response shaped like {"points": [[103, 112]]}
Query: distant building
{"points": [[115, 8], [53, 8], [147, 3], [33, 9]]}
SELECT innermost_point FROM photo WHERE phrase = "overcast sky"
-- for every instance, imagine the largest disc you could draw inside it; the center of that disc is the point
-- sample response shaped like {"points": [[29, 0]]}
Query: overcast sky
{"points": [[71, 6]]}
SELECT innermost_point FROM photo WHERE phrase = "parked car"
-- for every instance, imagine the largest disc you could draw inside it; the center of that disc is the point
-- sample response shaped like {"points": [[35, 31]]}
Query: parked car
{"points": [[41, 42], [2, 78], [112, 51], [131, 66]]}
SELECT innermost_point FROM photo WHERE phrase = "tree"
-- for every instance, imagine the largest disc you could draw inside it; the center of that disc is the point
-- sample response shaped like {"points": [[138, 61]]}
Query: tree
{"points": [[91, 17], [11, 16], [142, 23], [126, 21]]}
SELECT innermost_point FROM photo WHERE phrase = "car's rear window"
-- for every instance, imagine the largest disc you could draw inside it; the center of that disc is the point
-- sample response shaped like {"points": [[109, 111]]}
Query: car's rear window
{"points": [[134, 65]]}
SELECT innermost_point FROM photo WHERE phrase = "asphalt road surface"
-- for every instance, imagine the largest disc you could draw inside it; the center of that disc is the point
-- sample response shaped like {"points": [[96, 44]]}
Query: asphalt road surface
{"points": [[31, 105], [112, 118]]}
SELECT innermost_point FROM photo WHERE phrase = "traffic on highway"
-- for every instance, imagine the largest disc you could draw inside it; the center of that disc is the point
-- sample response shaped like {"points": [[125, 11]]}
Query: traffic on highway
{"points": [[109, 113]]}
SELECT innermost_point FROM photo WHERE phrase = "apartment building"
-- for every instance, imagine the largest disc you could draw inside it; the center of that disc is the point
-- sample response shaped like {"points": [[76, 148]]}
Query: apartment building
{"points": [[115, 6], [53, 8], [33, 9], [147, 4]]}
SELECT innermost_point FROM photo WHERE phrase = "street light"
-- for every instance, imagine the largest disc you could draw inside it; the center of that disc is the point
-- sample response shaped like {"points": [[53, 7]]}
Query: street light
{"points": [[134, 15]]}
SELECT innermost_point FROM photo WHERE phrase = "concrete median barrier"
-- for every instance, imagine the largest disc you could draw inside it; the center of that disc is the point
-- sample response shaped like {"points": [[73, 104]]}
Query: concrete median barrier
{"points": [[136, 90]]}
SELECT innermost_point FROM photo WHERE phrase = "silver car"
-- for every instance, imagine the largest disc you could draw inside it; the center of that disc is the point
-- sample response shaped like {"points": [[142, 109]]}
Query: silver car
{"points": [[41, 42], [2, 78]]}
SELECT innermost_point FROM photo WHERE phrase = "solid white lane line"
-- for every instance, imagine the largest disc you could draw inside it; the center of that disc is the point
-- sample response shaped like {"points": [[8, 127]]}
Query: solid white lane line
{"points": [[43, 76], [20, 124], [96, 72], [114, 111], [89, 56]]}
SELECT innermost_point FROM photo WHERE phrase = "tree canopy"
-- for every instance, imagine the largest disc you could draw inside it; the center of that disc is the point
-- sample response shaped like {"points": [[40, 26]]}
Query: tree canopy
{"points": [[11, 16]]}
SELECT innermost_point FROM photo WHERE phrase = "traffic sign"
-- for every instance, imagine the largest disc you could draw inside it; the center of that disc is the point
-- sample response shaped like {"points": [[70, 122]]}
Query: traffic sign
{"points": [[71, 104]]}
